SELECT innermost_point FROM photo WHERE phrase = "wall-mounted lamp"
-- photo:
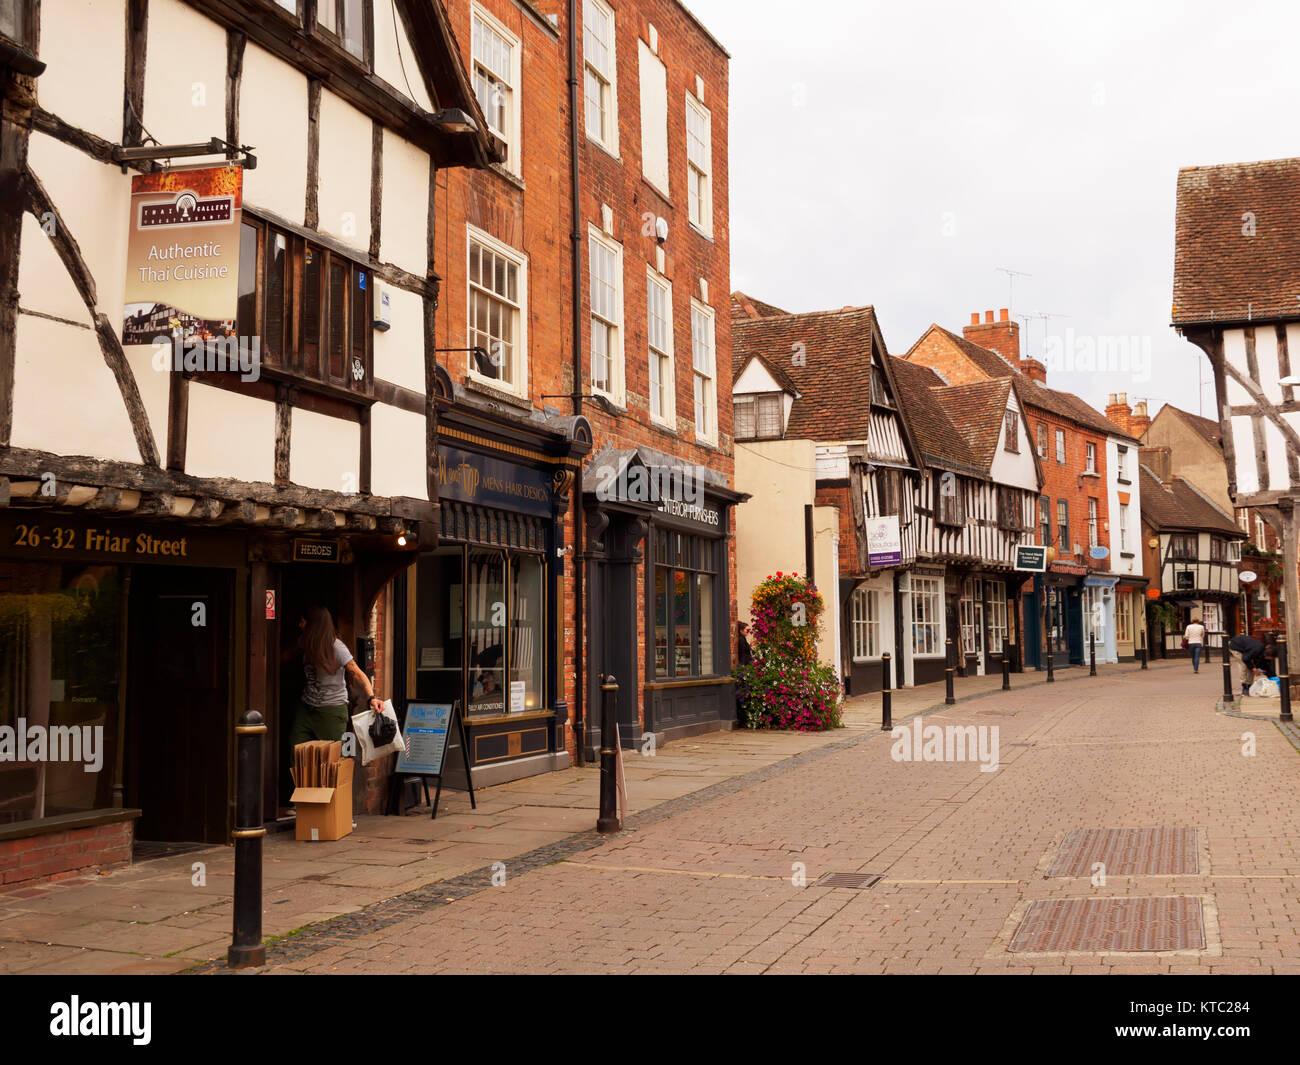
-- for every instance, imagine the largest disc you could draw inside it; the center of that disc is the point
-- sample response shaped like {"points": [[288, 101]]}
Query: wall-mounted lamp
{"points": [[454, 120]]}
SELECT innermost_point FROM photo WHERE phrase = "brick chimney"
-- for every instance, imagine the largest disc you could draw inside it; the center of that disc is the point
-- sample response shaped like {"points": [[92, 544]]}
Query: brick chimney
{"points": [[1118, 411], [1158, 460], [1140, 420], [1002, 336], [1034, 369]]}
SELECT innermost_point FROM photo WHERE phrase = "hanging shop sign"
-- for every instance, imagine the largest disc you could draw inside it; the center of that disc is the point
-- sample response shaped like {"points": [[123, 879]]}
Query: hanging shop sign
{"points": [[1031, 558], [884, 541], [182, 265], [1185, 580], [492, 482], [1247, 576], [1099, 552]]}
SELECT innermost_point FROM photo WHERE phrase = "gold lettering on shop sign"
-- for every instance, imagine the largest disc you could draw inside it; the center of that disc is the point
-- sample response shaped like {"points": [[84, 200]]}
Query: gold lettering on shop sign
{"points": [[100, 541]]}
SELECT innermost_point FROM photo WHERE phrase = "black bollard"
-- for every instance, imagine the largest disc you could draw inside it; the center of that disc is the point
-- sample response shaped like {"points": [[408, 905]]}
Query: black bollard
{"points": [[1228, 695], [1283, 679], [1092, 654], [1006, 673], [608, 820], [1051, 666], [1142, 651], [949, 697], [246, 947], [886, 694]]}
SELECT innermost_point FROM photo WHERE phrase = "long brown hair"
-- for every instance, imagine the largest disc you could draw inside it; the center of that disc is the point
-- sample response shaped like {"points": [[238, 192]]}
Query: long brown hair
{"points": [[317, 640]]}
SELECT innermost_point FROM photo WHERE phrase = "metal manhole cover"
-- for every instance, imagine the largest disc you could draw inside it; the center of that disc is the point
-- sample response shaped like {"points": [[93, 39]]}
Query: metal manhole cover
{"points": [[1127, 852], [857, 881], [1101, 925]]}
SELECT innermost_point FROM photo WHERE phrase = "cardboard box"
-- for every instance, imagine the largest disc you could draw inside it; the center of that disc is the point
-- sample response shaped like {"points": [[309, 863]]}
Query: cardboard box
{"points": [[325, 813]]}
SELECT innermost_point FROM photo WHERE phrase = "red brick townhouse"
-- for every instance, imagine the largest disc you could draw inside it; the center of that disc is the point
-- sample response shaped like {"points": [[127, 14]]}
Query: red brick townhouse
{"points": [[1070, 439], [584, 444]]}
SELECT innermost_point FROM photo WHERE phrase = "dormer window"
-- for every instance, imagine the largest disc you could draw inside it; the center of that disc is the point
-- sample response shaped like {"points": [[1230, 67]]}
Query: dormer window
{"points": [[1012, 422], [879, 393], [758, 417]]}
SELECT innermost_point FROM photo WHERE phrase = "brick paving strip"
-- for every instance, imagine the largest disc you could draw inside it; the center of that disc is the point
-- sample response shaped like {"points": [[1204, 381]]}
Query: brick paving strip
{"points": [[344, 929]]}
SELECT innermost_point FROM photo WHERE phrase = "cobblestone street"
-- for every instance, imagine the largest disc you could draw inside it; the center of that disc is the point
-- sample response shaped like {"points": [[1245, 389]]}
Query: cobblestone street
{"points": [[964, 856]]}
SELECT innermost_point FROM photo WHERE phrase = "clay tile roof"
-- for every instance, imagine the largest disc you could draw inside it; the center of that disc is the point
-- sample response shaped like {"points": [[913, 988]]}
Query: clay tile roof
{"points": [[1175, 504], [942, 443], [1222, 274], [745, 306], [834, 384], [978, 410], [1068, 405]]}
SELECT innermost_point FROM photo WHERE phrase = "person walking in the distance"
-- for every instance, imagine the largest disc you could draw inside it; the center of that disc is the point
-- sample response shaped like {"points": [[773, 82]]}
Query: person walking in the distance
{"points": [[1194, 641]]}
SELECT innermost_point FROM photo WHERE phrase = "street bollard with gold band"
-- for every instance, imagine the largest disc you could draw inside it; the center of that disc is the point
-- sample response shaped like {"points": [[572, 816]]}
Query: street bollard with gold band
{"points": [[1283, 678], [246, 947], [949, 697], [886, 694], [608, 820]]}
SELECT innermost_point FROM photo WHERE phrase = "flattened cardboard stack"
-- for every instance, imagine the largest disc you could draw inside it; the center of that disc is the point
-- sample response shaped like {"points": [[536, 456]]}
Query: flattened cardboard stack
{"points": [[322, 780]]}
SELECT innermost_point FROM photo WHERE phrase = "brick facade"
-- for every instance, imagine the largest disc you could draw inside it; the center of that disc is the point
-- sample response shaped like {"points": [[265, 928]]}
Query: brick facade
{"points": [[59, 855]]}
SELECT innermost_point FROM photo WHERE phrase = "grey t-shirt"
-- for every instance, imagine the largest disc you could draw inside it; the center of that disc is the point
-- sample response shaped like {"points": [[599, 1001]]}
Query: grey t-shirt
{"points": [[327, 689]]}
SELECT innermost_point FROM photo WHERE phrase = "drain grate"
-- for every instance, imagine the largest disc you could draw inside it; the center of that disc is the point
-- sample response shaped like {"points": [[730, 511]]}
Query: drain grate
{"points": [[1101, 925], [1127, 852], [856, 881], [998, 713]]}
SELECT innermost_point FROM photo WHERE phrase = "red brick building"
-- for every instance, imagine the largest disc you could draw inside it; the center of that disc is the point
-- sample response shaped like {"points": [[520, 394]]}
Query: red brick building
{"points": [[1070, 439], [584, 443]]}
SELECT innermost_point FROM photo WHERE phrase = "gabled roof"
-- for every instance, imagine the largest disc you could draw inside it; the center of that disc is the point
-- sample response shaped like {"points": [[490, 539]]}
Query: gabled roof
{"points": [[1237, 242], [978, 411], [779, 375], [989, 362], [834, 382], [743, 306], [942, 444], [1175, 504], [1206, 428]]}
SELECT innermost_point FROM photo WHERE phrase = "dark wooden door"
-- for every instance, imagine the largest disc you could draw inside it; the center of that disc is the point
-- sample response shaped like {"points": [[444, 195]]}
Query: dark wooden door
{"points": [[178, 708]]}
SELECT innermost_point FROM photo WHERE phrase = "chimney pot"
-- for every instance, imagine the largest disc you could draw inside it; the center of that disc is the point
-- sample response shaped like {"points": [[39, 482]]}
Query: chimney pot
{"points": [[1122, 397], [975, 318], [1003, 314], [988, 316]]}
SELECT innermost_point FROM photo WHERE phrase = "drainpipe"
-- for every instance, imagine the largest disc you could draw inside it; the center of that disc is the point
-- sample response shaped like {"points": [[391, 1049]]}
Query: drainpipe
{"points": [[579, 520]]}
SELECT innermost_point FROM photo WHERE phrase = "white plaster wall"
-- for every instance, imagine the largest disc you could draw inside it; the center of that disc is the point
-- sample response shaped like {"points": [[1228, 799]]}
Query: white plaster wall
{"points": [[769, 527], [1015, 469], [1128, 566], [395, 60], [94, 201], [397, 455], [184, 75], [344, 196], [826, 559], [230, 435], [403, 222], [1234, 350], [324, 452], [155, 386], [399, 351], [66, 399], [1243, 441], [278, 134], [754, 378], [43, 282], [84, 94]]}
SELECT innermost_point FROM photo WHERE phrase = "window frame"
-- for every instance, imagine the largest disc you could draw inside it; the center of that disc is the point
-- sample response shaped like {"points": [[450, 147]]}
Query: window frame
{"points": [[474, 235], [1123, 528], [1089, 457], [1065, 541], [1061, 454], [951, 515], [668, 416], [711, 386], [1042, 440], [705, 224], [1094, 521], [1121, 463], [608, 80], [995, 617], [865, 624], [333, 36], [1045, 520], [1011, 432], [617, 391], [294, 362], [512, 137], [932, 593], [1184, 546], [672, 551]]}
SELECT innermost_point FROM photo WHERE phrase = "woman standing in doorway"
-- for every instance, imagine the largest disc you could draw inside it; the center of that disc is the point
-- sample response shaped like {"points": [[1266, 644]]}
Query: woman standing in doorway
{"points": [[1194, 641], [323, 708]]}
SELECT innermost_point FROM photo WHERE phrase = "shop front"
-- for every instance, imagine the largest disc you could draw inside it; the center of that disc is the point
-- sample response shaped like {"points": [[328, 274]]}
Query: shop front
{"points": [[482, 612], [1053, 609], [928, 622], [1098, 617], [1130, 618], [987, 621]]}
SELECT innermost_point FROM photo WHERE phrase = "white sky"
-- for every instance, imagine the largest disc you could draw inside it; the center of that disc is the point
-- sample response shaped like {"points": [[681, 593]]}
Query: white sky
{"points": [[1046, 135]]}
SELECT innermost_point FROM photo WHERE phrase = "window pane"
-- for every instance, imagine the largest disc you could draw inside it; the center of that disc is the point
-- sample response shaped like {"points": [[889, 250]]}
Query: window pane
{"points": [[744, 418], [661, 621], [527, 634], [487, 631], [327, 14], [354, 39], [276, 271], [681, 624], [247, 305], [704, 596], [311, 303], [440, 625], [337, 310]]}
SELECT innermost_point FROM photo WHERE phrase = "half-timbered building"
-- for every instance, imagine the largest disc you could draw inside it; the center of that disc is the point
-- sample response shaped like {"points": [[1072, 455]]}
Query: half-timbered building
{"points": [[976, 502], [184, 469], [1237, 298], [1192, 550], [824, 379]]}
